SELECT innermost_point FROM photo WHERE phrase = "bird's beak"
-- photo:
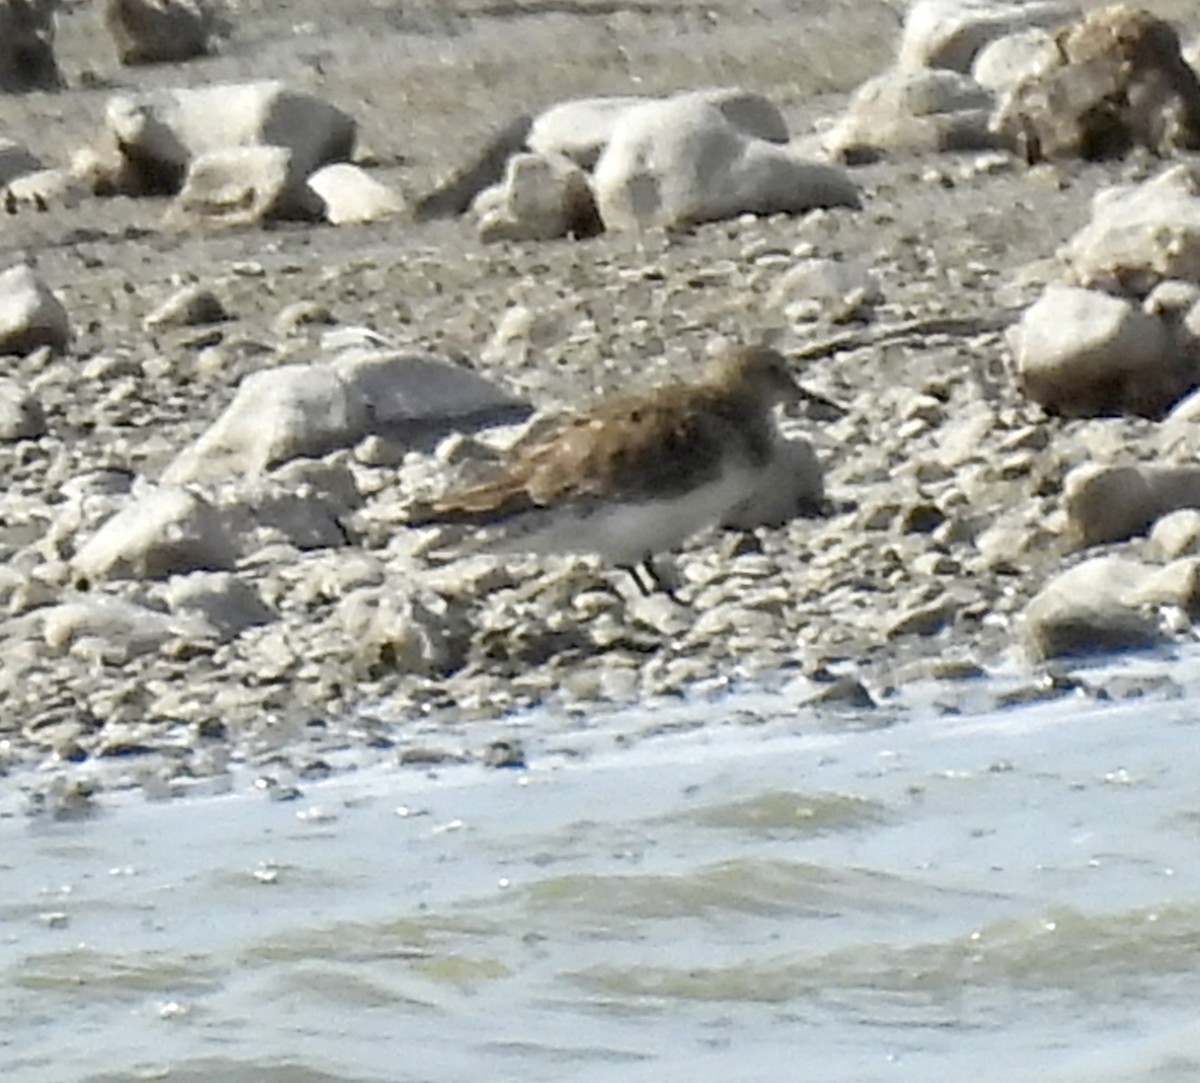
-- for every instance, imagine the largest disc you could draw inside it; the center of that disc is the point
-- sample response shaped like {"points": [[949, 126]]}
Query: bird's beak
{"points": [[803, 394]]}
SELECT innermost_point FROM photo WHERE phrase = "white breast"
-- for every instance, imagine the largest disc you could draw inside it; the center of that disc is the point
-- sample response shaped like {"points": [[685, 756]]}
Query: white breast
{"points": [[626, 533]]}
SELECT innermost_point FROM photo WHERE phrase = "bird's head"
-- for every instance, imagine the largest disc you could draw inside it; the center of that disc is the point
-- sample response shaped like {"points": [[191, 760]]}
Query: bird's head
{"points": [[765, 375]]}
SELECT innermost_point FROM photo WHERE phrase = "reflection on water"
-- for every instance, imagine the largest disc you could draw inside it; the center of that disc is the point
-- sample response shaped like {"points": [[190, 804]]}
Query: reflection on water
{"points": [[945, 896]]}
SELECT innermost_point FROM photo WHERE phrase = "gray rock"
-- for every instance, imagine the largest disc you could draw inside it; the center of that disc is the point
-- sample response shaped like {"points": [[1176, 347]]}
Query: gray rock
{"points": [[1117, 81], [166, 532], [30, 314], [949, 33], [158, 31], [683, 161], [21, 414], [110, 629], [1177, 533], [1084, 353], [1107, 604], [227, 604], [540, 198], [308, 410], [27, 59], [351, 196], [243, 186], [150, 140], [1140, 235], [1112, 503], [1005, 62], [912, 112], [395, 631]]}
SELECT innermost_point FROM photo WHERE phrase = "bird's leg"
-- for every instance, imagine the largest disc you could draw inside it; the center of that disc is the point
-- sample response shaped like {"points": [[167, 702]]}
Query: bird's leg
{"points": [[657, 579], [636, 575]]}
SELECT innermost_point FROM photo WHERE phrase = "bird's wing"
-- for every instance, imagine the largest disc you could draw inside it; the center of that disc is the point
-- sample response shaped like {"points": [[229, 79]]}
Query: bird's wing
{"points": [[632, 450]]}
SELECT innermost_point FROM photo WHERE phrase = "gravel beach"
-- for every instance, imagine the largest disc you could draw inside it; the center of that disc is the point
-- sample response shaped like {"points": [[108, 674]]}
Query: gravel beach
{"points": [[331, 628]]}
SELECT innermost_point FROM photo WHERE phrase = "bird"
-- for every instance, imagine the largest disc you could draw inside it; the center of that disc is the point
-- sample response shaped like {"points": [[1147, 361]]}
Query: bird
{"points": [[637, 474]]}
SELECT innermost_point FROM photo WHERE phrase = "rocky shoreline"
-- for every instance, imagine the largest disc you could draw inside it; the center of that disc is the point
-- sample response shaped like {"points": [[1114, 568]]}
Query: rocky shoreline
{"points": [[305, 619]]}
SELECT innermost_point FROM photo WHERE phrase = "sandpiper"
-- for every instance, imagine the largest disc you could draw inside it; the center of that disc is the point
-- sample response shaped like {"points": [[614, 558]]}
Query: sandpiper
{"points": [[636, 474]]}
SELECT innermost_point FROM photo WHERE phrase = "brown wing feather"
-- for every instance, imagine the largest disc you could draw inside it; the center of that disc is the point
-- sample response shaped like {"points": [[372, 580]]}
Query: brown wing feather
{"points": [[631, 449]]}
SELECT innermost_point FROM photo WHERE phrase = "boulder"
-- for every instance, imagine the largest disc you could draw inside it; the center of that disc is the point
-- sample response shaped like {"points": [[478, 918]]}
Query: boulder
{"points": [[151, 139], [1108, 603], [21, 414], [1082, 353], [1113, 503], [158, 31], [682, 161], [30, 315], [1118, 81], [166, 532], [1139, 235], [541, 197], [301, 504], [1004, 63], [277, 414], [912, 112], [579, 129], [351, 196], [226, 604], [950, 33], [308, 410], [1177, 534], [243, 186], [27, 46]]}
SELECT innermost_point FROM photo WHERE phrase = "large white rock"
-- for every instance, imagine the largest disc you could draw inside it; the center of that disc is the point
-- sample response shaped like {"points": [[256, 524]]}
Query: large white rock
{"points": [[1082, 353], [158, 31], [352, 196], [27, 45], [1112, 503], [159, 133], [243, 186], [541, 197], [683, 161], [165, 532], [1108, 603], [581, 129], [1003, 63], [30, 314], [308, 410], [949, 33], [915, 111], [1140, 234]]}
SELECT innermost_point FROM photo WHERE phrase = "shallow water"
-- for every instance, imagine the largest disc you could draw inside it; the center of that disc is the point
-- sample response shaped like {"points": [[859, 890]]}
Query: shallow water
{"points": [[1006, 895]]}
